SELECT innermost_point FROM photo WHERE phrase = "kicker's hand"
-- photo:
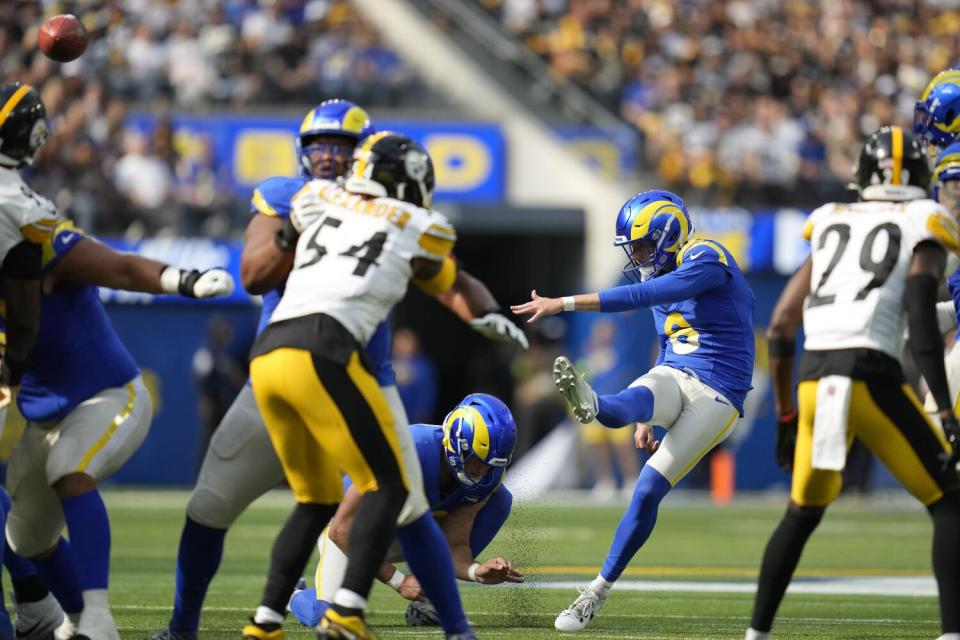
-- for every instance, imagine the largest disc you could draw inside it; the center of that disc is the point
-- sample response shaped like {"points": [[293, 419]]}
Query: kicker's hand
{"points": [[643, 438], [538, 307], [497, 327]]}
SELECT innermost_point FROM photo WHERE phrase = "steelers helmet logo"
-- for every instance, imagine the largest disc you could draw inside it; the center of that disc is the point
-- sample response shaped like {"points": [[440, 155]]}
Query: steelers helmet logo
{"points": [[416, 165], [39, 134]]}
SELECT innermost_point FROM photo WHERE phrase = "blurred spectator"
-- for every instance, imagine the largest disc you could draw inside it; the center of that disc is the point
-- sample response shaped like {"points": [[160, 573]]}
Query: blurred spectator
{"points": [[738, 100], [609, 449], [160, 57], [219, 372], [537, 407], [416, 377]]}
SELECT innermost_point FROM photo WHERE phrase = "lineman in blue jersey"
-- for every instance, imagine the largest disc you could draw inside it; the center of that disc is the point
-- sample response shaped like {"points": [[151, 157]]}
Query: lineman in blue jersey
{"points": [[87, 412], [471, 507], [703, 310], [240, 464]]}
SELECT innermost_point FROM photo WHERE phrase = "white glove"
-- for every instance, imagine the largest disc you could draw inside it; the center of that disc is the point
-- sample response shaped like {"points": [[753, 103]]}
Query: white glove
{"points": [[306, 209], [212, 283], [496, 326]]}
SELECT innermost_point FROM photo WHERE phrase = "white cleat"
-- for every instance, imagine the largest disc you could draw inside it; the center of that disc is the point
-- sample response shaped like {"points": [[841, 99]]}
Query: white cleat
{"points": [[37, 620], [578, 615], [581, 398], [753, 634], [96, 623]]}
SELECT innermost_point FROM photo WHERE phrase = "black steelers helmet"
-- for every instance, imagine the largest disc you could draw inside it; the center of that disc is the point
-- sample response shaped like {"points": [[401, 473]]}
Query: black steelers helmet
{"points": [[390, 164], [23, 124], [892, 166]]}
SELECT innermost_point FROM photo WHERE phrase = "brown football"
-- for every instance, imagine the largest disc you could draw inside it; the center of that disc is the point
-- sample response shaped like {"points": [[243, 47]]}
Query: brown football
{"points": [[62, 38]]}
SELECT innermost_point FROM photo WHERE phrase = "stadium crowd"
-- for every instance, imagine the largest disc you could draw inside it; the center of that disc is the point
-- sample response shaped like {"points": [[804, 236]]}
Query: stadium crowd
{"points": [[165, 57], [735, 100]]}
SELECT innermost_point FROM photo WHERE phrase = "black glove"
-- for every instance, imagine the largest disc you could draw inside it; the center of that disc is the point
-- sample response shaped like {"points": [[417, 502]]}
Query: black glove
{"points": [[951, 428], [786, 440], [287, 237]]}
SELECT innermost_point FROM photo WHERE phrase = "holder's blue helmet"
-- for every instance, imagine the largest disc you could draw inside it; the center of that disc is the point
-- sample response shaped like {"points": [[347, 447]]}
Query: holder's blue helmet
{"points": [[947, 168], [331, 117], [936, 117], [656, 217], [480, 426]]}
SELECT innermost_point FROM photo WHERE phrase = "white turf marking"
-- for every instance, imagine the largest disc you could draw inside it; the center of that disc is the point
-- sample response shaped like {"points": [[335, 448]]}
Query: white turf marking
{"points": [[912, 586]]}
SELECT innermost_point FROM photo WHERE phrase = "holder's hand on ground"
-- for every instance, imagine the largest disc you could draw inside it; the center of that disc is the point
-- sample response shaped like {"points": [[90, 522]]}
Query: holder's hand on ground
{"points": [[497, 570], [644, 438], [410, 589], [497, 327], [539, 307]]}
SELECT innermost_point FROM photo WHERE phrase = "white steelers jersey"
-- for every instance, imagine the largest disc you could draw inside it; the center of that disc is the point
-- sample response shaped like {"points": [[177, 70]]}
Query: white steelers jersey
{"points": [[353, 263], [24, 214], [861, 253]]}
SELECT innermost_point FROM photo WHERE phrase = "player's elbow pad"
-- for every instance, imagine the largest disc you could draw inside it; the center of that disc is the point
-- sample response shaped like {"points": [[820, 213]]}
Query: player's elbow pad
{"points": [[23, 262], [442, 280]]}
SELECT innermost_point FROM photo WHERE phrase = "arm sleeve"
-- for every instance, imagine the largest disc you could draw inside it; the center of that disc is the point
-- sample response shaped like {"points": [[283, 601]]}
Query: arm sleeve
{"points": [[682, 284]]}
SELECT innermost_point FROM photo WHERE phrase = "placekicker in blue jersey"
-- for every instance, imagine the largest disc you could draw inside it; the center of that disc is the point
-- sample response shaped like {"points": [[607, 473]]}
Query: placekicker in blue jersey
{"points": [[703, 311]]}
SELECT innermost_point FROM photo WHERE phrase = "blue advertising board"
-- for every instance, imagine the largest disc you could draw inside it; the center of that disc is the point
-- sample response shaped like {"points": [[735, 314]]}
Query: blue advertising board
{"points": [[469, 157]]}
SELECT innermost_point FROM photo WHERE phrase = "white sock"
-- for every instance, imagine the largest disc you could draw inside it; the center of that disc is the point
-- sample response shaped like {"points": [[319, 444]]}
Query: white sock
{"points": [[349, 599], [950, 636], [753, 634], [600, 586], [95, 599], [266, 615]]}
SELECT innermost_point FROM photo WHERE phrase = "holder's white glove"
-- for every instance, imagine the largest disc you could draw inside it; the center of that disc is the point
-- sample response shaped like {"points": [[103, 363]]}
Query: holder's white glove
{"points": [[212, 283], [496, 326]]}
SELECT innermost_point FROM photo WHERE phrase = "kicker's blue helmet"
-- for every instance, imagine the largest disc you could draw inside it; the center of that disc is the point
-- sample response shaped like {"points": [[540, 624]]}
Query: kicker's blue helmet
{"points": [[480, 426], [658, 218], [331, 117]]}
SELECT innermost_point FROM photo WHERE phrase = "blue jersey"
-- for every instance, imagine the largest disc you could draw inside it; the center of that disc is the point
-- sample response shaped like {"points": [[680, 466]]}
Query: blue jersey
{"points": [[272, 198], [77, 354], [703, 311], [428, 440], [953, 284]]}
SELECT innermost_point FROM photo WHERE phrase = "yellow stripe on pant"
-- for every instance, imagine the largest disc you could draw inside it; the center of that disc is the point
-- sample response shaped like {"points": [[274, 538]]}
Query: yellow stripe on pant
{"points": [[306, 423], [899, 434]]}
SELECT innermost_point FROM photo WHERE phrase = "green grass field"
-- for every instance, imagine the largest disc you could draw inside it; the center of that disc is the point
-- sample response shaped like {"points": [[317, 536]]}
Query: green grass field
{"points": [[693, 542]]}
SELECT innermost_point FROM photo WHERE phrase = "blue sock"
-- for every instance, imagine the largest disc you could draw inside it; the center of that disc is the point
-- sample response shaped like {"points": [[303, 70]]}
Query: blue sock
{"points": [[89, 529], [637, 523], [59, 573], [198, 559], [19, 567], [625, 408], [490, 519], [428, 555], [306, 608]]}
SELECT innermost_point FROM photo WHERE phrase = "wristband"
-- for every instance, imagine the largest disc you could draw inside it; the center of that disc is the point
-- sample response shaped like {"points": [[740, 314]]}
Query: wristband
{"points": [[569, 304], [396, 580], [472, 572]]}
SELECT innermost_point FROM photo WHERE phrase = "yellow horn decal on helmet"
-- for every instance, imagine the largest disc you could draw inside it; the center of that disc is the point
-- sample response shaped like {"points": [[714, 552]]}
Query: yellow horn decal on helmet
{"points": [[307, 121], [896, 137], [362, 154], [950, 75], [947, 162], [12, 103], [354, 120], [641, 224], [481, 434]]}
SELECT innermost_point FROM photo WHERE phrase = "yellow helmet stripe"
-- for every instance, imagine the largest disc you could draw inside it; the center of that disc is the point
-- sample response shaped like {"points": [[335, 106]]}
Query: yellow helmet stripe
{"points": [[947, 162], [363, 153], [307, 121], [12, 102], [481, 435], [896, 134]]}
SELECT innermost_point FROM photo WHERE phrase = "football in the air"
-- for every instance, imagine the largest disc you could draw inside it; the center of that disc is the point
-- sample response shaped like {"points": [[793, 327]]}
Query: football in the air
{"points": [[62, 38]]}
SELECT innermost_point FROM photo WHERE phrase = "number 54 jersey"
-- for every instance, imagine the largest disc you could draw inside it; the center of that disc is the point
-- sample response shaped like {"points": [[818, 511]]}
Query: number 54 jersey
{"points": [[353, 262], [861, 253]]}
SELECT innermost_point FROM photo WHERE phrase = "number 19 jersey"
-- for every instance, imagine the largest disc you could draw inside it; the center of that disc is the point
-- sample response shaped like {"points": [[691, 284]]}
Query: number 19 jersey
{"points": [[861, 253], [353, 262]]}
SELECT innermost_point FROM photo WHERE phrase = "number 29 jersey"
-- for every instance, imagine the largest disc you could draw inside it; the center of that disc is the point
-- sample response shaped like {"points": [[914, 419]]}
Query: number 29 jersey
{"points": [[861, 253], [353, 262]]}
